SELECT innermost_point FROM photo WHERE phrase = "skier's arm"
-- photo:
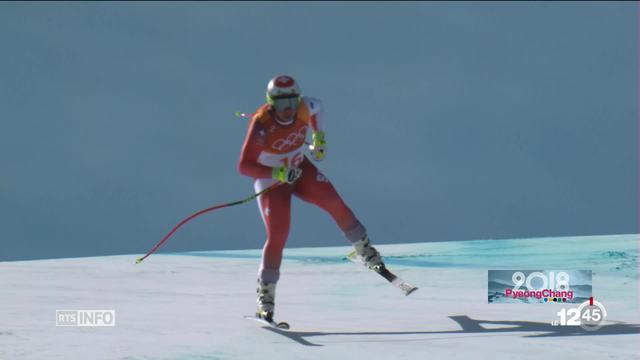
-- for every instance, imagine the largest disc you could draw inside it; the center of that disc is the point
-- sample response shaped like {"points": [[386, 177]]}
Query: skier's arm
{"points": [[317, 114], [253, 145], [318, 145]]}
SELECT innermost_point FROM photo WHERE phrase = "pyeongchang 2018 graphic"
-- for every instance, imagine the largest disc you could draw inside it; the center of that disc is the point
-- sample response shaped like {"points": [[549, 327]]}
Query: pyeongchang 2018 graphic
{"points": [[539, 286]]}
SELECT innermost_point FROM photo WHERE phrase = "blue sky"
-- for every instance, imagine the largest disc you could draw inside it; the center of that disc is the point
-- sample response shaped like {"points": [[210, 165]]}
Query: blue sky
{"points": [[445, 121]]}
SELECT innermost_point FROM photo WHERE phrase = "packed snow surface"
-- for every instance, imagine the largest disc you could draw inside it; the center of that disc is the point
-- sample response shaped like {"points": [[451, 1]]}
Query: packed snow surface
{"points": [[191, 305]]}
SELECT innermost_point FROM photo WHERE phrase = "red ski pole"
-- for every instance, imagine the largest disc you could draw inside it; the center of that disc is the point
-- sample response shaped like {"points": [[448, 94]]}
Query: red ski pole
{"points": [[192, 216]]}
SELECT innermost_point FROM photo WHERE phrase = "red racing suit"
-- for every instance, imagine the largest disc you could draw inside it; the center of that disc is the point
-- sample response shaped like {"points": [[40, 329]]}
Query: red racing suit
{"points": [[270, 143]]}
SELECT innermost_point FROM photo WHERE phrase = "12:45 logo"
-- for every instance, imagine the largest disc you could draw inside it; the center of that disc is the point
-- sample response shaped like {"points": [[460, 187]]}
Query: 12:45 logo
{"points": [[589, 315]]}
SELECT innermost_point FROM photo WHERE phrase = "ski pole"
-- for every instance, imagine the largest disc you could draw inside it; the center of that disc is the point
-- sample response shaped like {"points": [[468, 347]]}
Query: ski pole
{"points": [[192, 216]]}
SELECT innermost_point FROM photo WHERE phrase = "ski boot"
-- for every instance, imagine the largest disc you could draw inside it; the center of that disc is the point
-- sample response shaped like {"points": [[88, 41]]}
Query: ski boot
{"points": [[266, 300], [368, 255]]}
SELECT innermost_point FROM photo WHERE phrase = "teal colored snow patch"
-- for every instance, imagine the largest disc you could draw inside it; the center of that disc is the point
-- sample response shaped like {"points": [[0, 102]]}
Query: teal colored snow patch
{"points": [[606, 253], [297, 258], [213, 254]]}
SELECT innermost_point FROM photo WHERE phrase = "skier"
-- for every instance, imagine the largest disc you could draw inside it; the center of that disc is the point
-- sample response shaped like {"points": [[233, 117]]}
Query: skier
{"points": [[273, 152]]}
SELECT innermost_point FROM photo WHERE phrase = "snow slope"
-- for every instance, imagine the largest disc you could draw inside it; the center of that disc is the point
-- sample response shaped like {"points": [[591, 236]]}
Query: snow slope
{"points": [[190, 305]]}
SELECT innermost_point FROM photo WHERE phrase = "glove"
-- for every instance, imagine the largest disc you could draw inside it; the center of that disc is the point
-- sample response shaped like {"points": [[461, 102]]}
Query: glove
{"points": [[318, 146], [285, 174]]}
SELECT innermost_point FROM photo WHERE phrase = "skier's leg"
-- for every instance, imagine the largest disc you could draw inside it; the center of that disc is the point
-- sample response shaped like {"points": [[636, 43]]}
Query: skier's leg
{"points": [[315, 188], [275, 208]]}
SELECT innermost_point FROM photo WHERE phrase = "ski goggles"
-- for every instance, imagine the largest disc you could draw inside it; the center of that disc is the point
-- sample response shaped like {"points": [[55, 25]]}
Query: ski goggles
{"points": [[283, 103]]}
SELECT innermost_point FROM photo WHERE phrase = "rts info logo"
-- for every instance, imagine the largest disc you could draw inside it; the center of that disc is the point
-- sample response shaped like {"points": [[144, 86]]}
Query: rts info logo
{"points": [[85, 318]]}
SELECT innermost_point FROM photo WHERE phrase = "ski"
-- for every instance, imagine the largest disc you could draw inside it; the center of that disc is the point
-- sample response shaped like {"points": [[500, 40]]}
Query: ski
{"points": [[388, 275], [276, 325]]}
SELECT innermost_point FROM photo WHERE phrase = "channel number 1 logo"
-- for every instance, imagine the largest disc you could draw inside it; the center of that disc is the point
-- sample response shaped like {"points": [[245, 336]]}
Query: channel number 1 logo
{"points": [[589, 315]]}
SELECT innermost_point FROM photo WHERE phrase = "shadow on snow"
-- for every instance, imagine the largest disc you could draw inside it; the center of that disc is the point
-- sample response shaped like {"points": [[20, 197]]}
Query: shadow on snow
{"points": [[471, 326]]}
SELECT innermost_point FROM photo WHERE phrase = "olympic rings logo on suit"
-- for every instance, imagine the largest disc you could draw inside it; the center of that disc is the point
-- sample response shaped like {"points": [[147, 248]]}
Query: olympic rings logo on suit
{"points": [[292, 140]]}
